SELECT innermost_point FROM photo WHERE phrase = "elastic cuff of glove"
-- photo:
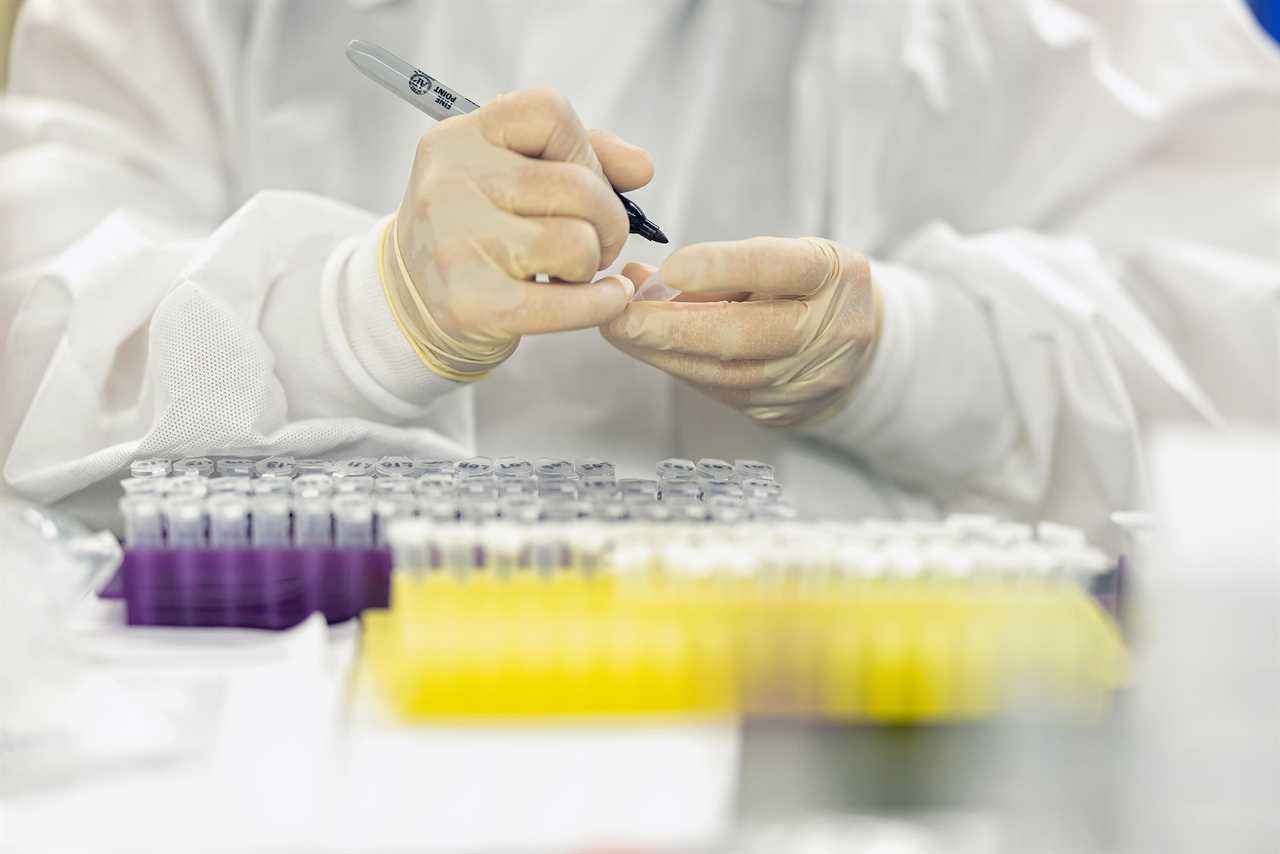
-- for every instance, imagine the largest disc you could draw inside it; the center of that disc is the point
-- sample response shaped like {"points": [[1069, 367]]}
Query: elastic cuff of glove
{"points": [[433, 346], [904, 300], [373, 336]]}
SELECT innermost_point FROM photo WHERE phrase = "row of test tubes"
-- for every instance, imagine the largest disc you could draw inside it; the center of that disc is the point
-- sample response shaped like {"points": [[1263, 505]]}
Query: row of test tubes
{"points": [[959, 547], [283, 501]]}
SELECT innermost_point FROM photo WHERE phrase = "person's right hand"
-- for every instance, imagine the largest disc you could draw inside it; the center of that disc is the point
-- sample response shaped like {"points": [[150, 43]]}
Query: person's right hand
{"points": [[512, 190]]}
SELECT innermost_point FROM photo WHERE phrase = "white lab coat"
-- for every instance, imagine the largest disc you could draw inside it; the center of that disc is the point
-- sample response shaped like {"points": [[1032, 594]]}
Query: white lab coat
{"points": [[1072, 208]]}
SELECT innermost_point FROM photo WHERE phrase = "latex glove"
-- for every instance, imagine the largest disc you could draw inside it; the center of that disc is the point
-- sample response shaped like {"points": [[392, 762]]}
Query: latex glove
{"points": [[782, 329], [512, 190]]}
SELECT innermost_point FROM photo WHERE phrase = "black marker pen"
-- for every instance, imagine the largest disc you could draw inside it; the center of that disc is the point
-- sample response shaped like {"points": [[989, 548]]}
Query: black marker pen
{"points": [[440, 102]]}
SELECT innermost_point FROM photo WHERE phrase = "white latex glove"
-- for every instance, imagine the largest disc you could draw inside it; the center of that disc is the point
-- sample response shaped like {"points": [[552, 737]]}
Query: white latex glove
{"points": [[781, 329], [515, 189]]}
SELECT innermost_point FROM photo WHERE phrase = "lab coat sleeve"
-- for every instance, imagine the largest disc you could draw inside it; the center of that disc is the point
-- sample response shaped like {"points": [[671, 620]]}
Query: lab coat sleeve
{"points": [[150, 307], [1077, 240]]}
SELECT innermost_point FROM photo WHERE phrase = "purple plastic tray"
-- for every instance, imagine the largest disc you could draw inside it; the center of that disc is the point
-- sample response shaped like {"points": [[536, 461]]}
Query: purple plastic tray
{"points": [[260, 588]]}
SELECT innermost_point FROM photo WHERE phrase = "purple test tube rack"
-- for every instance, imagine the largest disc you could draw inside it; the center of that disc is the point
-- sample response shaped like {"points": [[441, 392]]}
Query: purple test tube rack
{"points": [[259, 588]]}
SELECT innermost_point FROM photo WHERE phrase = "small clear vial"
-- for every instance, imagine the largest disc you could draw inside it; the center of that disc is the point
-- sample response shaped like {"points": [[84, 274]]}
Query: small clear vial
{"points": [[284, 467], [202, 466], [352, 521], [479, 510], [311, 485], [473, 467], [437, 484], [189, 485], [154, 467], [598, 488], [756, 487], [722, 487], [676, 468], [517, 486], [312, 522], [712, 469], [233, 466], [312, 465], [228, 520], [142, 486], [232, 485], [478, 489], [441, 511], [680, 490], [270, 523], [360, 484], [394, 467], [185, 521], [638, 486], [609, 511], [433, 466], [357, 467], [410, 542], [548, 468], [562, 489], [387, 509], [143, 521], [689, 511], [393, 484], [753, 469], [272, 486], [594, 468], [512, 467]]}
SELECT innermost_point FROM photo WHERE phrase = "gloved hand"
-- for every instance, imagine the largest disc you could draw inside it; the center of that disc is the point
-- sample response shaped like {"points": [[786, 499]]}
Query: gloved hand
{"points": [[782, 329], [514, 189]]}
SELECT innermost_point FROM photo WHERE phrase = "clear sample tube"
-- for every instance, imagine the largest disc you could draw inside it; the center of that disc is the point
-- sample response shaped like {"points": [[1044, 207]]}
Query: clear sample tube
{"points": [[410, 542], [512, 467], [473, 467], [312, 522], [143, 521], [558, 489], [594, 468], [676, 468], [387, 509], [242, 466], [639, 486], [712, 469], [477, 489], [730, 488], [202, 466], [185, 521], [352, 521], [356, 484], [142, 486], [154, 467], [272, 486], [609, 511], [679, 490], [478, 510], [433, 466], [598, 488], [311, 485], [233, 485], [189, 485], [517, 486], [284, 467], [438, 484], [312, 465], [357, 467], [753, 469], [393, 484], [550, 468], [270, 524], [228, 520], [441, 511], [393, 466], [757, 487]]}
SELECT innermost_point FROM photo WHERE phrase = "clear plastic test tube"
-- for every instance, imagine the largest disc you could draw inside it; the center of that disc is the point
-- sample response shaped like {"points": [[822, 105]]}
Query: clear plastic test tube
{"points": [[185, 521], [228, 520], [202, 466], [228, 466], [270, 527], [312, 465], [312, 522], [143, 521], [353, 484], [393, 484], [436, 484], [473, 467], [394, 467], [272, 486], [676, 468], [638, 486], [387, 509], [352, 521], [276, 467], [310, 485], [234, 485], [512, 467], [153, 467], [433, 466], [549, 468], [558, 489], [712, 469], [680, 490], [591, 467], [753, 469]]}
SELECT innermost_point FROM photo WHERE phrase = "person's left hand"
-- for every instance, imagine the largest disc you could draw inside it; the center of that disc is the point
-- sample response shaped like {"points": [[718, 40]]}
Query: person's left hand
{"points": [[781, 329]]}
